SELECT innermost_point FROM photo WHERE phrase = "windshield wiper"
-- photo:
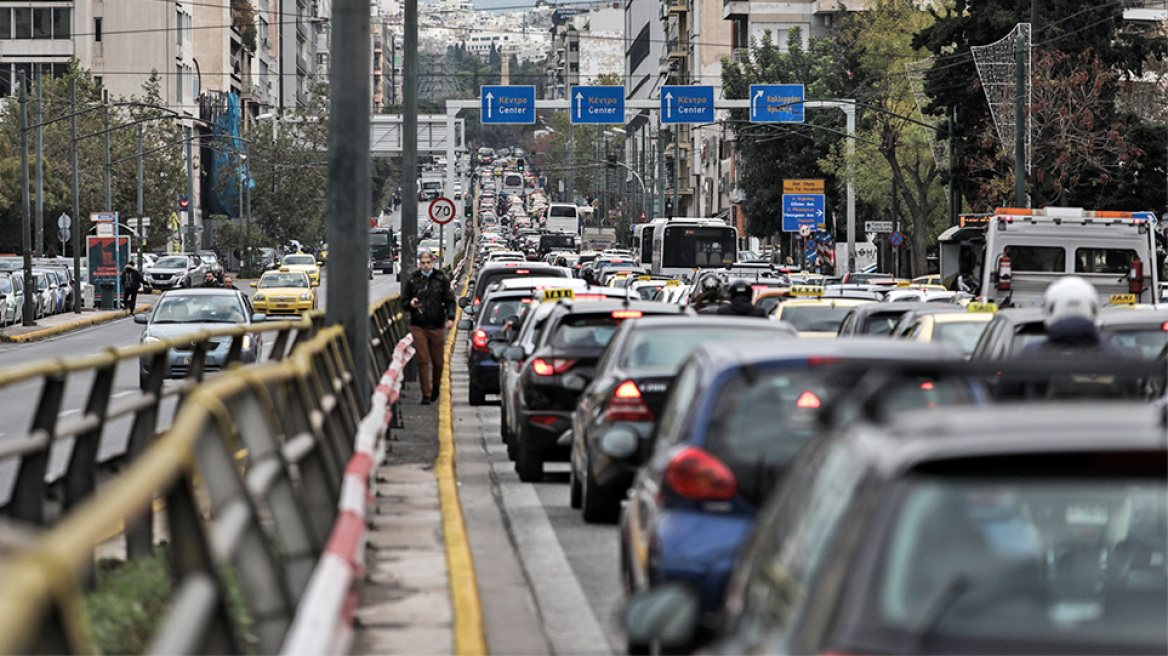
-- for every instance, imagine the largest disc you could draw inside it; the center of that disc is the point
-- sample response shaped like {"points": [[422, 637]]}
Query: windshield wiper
{"points": [[954, 589]]}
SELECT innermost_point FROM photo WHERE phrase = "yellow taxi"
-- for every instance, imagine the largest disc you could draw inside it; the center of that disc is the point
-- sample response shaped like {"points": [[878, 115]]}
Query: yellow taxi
{"points": [[302, 262], [813, 316], [284, 292], [961, 330], [324, 255], [930, 279]]}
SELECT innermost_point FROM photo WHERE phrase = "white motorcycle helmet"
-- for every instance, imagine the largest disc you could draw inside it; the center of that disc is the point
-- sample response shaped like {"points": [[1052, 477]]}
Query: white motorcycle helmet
{"points": [[1070, 296]]}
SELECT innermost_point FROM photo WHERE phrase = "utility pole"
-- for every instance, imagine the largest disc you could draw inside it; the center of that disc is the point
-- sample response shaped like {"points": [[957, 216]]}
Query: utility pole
{"points": [[409, 206], [26, 222], [76, 194], [188, 243], [106, 133], [1019, 121], [40, 165], [952, 181], [661, 173], [676, 169], [570, 185], [141, 228], [348, 167]]}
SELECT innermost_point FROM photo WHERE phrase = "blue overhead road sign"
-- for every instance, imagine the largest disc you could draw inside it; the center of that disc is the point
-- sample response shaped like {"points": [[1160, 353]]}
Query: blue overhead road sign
{"points": [[680, 104], [802, 209], [508, 104], [772, 103], [598, 105]]}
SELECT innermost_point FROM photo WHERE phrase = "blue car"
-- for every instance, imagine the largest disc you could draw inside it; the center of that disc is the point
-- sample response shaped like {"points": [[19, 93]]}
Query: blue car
{"points": [[488, 318], [735, 416]]}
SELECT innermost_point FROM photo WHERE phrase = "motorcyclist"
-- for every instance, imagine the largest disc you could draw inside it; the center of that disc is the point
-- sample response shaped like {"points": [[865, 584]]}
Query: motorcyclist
{"points": [[709, 296], [740, 293]]}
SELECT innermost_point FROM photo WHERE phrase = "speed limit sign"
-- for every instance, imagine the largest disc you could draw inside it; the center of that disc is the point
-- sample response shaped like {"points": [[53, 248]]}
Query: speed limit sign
{"points": [[442, 211]]}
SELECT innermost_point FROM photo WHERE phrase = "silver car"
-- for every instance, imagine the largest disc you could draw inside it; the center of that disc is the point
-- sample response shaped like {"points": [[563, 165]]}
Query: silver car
{"points": [[11, 297], [175, 271]]}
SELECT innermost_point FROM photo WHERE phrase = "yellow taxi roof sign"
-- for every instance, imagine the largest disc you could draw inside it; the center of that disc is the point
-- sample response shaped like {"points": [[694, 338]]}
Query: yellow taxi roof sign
{"points": [[285, 269], [672, 283], [806, 290], [903, 283], [644, 278], [976, 306], [1123, 299], [557, 294]]}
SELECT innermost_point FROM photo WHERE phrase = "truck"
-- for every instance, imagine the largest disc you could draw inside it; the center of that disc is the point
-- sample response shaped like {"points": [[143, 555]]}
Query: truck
{"points": [[430, 185], [1026, 250]]}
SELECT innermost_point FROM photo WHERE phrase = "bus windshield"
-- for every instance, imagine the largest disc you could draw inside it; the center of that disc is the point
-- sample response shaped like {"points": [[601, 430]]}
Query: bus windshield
{"points": [[698, 246]]}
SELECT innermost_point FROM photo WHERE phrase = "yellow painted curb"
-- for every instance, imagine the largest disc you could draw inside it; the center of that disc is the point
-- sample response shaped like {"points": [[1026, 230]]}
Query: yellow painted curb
{"points": [[67, 327], [469, 636]]}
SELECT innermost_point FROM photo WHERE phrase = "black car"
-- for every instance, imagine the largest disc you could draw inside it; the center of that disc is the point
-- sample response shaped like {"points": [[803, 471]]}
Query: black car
{"points": [[1034, 529], [613, 423], [495, 271], [560, 366]]}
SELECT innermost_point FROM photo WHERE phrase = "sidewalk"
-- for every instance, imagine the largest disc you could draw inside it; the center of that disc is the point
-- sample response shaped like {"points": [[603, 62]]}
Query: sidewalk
{"points": [[64, 322]]}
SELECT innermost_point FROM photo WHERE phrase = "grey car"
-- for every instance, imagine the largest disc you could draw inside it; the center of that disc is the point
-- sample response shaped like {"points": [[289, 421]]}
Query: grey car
{"points": [[176, 270], [186, 311]]}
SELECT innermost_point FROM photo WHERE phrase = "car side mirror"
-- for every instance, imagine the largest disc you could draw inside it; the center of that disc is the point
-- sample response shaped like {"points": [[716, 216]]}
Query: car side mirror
{"points": [[574, 382], [465, 324], [316, 284], [619, 443], [666, 614], [514, 353], [463, 302], [258, 317], [142, 318], [253, 284], [497, 352]]}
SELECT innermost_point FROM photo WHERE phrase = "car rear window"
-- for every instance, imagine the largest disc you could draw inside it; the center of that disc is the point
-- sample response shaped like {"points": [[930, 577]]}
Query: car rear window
{"points": [[584, 331], [963, 336], [1028, 563], [5, 285], [661, 347], [493, 277], [495, 312], [1144, 343], [878, 324], [815, 318]]}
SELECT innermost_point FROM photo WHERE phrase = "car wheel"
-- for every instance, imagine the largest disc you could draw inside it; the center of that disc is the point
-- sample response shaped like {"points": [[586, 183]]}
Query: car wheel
{"points": [[599, 506], [528, 463], [476, 394], [574, 489]]}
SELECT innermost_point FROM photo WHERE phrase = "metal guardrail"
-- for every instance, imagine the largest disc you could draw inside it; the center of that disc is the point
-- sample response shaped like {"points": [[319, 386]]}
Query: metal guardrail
{"points": [[250, 471]]}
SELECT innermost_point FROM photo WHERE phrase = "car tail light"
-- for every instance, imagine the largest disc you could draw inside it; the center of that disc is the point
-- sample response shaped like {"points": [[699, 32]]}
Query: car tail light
{"points": [[626, 404], [807, 400], [543, 367], [477, 301], [479, 339], [627, 314], [1135, 277], [523, 271], [696, 474], [1005, 273], [821, 360], [544, 420]]}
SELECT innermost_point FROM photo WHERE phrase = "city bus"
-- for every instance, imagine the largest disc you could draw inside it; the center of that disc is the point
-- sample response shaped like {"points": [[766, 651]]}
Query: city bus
{"points": [[643, 241], [681, 245]]}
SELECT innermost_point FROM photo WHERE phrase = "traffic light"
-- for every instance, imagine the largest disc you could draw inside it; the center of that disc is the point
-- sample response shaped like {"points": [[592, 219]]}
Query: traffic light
{"points": [[521, 165], [467, 210]]}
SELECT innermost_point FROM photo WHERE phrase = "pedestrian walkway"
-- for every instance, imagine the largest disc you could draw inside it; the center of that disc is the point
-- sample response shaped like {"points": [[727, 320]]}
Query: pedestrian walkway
{"points": [[64, 322]]}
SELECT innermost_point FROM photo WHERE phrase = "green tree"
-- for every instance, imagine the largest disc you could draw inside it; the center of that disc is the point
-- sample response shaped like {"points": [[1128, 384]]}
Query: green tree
{"points": [[768, 153]]}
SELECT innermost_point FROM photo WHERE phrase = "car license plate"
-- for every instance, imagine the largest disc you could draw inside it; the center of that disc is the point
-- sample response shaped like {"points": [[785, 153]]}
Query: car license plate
{"points": [[1087, 514], [282, 306], [187, 360]]}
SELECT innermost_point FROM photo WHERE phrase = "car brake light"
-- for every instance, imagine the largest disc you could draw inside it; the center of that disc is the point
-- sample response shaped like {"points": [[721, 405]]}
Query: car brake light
{"points": [[521, 271], [479, 339], [627, 314], [477, 301], [543, 367], [544, 420], [525, 300], [820, 360], [807, 400], [627, 404], [696, 474], [927, 385]]}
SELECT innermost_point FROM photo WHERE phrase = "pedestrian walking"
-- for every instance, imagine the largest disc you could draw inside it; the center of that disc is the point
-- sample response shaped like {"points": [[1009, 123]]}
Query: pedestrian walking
{"points": [[431, 304], [131, 283]]}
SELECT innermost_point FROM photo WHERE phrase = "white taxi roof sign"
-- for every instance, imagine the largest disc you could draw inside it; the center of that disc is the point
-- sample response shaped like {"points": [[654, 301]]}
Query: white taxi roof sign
{"points": [[977, 306], [806, 290], [1123, 299], [557, 294]]}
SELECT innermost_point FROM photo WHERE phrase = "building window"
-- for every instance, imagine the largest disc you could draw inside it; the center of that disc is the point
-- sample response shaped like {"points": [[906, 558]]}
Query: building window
{"points": [[575, 46], [22, 23], [62, 23], [574, 67], [639, 50], [97, 29], [5, 23], [178, 84], [178, 27], [42, 23]]}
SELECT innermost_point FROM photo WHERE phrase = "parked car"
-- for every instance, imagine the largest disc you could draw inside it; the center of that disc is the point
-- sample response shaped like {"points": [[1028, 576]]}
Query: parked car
{"points": [[181, 270], [46, 288], [12, 297], [184, 311]]}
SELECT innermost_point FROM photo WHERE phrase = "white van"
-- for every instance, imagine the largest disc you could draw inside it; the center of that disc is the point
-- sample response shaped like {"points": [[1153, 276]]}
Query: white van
{"points": [[513, 184], [562, 217], [1026, 250]]}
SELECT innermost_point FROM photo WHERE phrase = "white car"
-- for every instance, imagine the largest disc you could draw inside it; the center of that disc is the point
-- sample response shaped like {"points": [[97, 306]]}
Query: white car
{"points": [[457, 191]]}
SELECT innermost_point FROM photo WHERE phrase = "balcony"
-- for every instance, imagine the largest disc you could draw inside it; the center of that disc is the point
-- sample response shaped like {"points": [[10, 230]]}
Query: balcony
{"points": [[1146, 11], [677, 6], [735, 9], [676, 50]]}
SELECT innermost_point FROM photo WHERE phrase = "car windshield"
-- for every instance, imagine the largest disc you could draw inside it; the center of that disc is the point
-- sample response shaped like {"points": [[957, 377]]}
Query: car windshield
{"points": [[203, 308], [666, 348], [495, 312], [300, 260], [963, 335], [379, 239], [1028, 563], [757, 445], [284, 280], [5, 285], [209, 258], [171, 262], [585, 331], [815, 318]]}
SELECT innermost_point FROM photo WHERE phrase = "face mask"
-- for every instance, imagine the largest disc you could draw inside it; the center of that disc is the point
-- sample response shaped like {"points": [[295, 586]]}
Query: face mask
{"points": [[426, 273]]}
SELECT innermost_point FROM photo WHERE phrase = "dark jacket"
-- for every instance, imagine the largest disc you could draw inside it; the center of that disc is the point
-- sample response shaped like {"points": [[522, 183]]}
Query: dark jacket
{"points": [[131, 279], [435, 297], [741, 306]]}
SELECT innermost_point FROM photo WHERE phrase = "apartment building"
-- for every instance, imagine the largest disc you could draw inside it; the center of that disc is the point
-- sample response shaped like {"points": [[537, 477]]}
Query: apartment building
{"points": [[303, 48], [585, 44]]}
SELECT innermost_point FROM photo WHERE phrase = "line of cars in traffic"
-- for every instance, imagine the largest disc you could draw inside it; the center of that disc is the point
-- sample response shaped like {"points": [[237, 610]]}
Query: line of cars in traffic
{"points": [[870, 467]]}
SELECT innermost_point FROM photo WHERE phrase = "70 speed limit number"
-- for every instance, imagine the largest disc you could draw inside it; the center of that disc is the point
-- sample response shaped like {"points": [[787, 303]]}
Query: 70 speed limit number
{"points": [[442, 211]]}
